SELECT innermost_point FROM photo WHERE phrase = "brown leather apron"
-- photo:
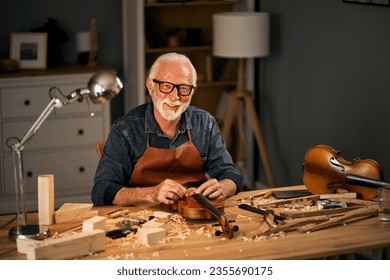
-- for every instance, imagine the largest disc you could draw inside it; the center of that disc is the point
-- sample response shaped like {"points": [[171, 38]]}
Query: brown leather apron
{"points": [[183, 165]]}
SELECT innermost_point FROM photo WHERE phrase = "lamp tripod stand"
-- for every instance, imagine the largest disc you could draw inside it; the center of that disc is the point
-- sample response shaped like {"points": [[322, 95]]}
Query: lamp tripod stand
{"points": [[239, 100]]}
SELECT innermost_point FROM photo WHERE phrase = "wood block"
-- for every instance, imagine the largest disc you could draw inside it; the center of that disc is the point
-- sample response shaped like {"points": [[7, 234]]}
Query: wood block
{"points": [[270, 219], [162, 214], [150, 236], [264, 227], [158, 223], [97, 222], [68, 247], [46, 199], [23, 244], [74, 211], [338, 195]]}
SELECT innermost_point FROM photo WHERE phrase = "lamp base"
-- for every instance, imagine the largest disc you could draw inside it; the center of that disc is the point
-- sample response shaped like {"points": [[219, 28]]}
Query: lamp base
{"points": [[29, 231]]}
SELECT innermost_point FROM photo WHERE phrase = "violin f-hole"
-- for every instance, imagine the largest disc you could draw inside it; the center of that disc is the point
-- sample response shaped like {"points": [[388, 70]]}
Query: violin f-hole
{"points": [[335, 162]]}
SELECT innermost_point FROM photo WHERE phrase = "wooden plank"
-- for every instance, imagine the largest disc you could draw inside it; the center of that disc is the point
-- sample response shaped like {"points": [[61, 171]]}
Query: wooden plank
{"points": [[352, 215], [302, 214], [68, 247], [293, 224], [46, 199], [290, 200], [263, 194], [338, 195], [74, 211], [118, 213]]}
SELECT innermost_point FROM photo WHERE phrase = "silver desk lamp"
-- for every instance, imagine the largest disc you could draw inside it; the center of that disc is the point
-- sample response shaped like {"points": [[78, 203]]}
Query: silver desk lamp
{"points": [[102, 86]]}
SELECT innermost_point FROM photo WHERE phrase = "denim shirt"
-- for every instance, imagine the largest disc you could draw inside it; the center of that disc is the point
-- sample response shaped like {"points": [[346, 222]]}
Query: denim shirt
{"points": [[127, 142]]}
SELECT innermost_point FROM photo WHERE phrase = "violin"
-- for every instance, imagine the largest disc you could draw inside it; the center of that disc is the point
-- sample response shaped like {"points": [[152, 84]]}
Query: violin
{"points": [[190, 208], [197, 206], [324, 171]]}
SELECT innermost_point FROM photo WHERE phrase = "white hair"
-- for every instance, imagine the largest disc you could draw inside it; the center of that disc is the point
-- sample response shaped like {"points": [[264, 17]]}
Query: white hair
{"points": [[174, 57]]}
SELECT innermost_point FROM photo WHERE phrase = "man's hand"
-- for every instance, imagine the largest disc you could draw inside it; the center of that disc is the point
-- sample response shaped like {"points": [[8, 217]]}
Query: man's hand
{"points": [[168, 192], [220, 190]]}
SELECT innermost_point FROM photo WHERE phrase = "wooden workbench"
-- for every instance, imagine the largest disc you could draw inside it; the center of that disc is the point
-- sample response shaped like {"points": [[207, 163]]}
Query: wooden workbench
{"points": [[369, 236]]}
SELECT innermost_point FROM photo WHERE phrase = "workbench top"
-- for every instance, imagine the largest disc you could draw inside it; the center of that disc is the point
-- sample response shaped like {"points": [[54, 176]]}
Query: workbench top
{"points": [[198, 241]]}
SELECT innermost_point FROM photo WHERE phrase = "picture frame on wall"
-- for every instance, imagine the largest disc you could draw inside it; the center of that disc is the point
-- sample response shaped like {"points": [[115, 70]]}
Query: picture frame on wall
{"points": [[29, 49], [369, 2]]}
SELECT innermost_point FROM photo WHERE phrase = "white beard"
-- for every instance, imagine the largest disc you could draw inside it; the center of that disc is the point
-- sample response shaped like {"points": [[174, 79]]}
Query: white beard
{"points": [[170, 115]]}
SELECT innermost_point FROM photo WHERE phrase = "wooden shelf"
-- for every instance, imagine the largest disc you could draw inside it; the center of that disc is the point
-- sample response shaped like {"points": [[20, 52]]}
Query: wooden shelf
{"points": [[62, 70], [178, 49], [161, 17], [191, 3]]}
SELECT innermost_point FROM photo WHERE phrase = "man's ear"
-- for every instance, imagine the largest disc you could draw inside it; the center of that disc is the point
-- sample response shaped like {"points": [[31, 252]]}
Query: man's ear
{"points": [[149, 84]]}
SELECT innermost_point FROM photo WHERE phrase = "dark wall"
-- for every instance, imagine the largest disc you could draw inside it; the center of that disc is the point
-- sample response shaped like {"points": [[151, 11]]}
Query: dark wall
{"points": [[73, 16], [326, 81]]}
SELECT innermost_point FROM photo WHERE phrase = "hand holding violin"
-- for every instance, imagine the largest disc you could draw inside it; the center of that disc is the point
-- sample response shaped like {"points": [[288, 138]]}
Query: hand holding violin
{"points": [[214, 189], [169, 192]]}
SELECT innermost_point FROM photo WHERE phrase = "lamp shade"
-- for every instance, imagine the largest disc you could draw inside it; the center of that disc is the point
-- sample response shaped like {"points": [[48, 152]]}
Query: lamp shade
{"points": [[241, 34], [104, 86], [82, 41]]}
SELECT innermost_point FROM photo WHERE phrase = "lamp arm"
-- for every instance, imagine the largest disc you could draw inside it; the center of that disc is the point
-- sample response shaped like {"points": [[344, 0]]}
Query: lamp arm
{"points": [[55, 102], [78, 94]]}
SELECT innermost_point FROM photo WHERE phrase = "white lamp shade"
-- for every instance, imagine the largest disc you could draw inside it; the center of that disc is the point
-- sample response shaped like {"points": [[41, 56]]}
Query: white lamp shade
{"points": [[241, 34], [83, 41]]}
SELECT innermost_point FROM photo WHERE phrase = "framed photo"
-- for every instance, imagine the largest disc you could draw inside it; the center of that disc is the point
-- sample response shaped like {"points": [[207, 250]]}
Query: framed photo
{"points": [[370, 2], [29, 49]]}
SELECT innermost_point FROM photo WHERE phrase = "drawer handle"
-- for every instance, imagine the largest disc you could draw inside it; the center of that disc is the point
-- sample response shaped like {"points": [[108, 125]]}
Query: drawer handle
{"points": [[27, 102], [81, 169], [29, 174], [80, 131]]}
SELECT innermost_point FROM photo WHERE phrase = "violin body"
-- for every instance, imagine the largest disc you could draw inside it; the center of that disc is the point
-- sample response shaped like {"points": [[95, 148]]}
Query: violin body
{"points": [[324, 170], [198, 207], [190, 208]]}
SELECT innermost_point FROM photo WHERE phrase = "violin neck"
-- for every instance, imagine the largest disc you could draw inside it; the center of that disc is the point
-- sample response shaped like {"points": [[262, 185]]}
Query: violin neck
{"points": [[204, 202], [364, 181]]}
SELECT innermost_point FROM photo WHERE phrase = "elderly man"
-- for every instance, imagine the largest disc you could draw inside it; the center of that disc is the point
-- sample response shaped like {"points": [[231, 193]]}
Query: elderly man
{"points": [[157, 150]]}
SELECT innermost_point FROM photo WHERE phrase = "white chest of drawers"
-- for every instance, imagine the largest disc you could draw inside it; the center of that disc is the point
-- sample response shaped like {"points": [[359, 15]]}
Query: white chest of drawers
{"points": [[64, 145]]}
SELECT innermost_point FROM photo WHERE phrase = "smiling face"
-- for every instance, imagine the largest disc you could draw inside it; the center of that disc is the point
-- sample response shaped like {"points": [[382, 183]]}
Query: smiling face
{"points": [[170, 106]]}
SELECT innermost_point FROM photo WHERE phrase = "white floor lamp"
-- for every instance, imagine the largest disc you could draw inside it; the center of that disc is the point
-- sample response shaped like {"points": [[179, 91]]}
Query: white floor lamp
{"points": [[101, 87], [242, 35]]}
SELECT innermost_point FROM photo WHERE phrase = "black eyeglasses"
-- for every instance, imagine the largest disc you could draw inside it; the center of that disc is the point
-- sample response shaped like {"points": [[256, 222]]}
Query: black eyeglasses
{"points": [[167, 88]]}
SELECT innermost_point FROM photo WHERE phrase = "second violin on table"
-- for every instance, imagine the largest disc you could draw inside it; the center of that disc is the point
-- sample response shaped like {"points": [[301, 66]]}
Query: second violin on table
{"points": [[324, 171]]}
